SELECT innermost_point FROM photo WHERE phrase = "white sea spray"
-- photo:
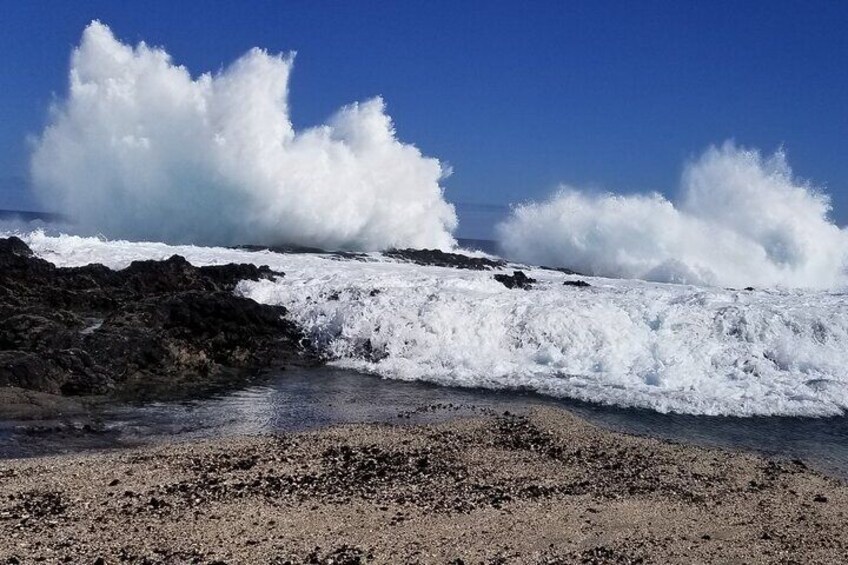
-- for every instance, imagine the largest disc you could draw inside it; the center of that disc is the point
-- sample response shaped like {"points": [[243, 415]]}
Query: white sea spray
{"points": [[138, 148], [740, 219]]}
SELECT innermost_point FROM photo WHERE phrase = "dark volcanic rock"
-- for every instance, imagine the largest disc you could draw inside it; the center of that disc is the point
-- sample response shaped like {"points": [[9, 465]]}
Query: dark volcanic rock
{"points": [[92, 330], [281, 248], [302, 249], [436, 258], [14, 246], [577, 283], [563, 270], [516, 280]]}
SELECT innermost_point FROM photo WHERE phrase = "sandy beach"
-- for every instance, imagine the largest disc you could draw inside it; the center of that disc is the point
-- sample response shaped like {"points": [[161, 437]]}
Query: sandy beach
{"points": [[542, 487]]}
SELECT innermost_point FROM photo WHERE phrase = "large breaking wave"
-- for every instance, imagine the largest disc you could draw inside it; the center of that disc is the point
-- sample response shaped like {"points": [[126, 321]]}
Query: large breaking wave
{"points": [[740, 219], [140, 149], [696, 350]]}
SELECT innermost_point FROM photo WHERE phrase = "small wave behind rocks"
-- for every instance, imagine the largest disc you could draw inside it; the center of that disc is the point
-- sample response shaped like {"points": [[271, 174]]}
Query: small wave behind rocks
{"points": [[739, 218]]}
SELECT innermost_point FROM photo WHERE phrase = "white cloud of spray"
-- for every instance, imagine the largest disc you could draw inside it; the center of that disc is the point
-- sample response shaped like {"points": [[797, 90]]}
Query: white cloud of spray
{"points": [[141, 150], [740, 219]]}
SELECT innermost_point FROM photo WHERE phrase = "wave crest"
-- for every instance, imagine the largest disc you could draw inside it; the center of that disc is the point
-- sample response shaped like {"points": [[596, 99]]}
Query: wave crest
{"points": [[140, 149], [740, 219]]}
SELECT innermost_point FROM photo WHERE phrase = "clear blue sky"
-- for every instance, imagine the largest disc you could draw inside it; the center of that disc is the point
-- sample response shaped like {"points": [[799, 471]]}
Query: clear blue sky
{"points": [[516, 96]]}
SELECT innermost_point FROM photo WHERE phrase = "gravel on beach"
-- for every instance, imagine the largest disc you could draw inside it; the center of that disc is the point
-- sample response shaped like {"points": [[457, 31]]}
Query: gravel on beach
{"points": [[543, 487]]}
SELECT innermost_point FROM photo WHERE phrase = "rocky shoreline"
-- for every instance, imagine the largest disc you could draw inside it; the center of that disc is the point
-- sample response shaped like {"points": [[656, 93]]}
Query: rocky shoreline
{"points": [[543, 487], [154, 328], [70, 337]]}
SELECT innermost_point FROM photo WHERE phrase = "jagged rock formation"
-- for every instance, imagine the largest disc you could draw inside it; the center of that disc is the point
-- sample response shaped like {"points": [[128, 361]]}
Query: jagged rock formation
{"points": [[91, 330]]}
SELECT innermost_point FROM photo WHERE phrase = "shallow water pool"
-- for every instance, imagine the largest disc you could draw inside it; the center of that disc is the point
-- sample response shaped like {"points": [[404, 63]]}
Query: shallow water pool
{"points": [[303, 399]]}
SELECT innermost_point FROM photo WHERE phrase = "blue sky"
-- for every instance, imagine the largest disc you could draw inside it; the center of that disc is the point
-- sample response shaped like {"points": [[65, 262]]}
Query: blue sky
{"points": [[517, 97]]}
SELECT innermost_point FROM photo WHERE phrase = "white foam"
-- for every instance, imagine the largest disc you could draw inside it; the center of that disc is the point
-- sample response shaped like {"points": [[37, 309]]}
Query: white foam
{"points": [[740, 220], [140, 149], [660, 346]]}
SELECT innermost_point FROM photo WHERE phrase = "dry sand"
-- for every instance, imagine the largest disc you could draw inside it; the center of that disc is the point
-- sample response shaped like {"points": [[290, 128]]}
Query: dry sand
{"points": [[545, 487]]}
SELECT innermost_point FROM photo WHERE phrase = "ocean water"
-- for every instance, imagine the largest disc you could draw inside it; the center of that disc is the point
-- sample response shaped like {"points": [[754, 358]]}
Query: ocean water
{"points": [[668, 348]]}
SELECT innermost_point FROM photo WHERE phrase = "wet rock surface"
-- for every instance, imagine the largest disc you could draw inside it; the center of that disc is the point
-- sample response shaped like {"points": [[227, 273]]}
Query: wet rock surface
{"points": [[436, 258], [542, 488], [152, 326], [300, 249], [516, 280], [563, 270]]}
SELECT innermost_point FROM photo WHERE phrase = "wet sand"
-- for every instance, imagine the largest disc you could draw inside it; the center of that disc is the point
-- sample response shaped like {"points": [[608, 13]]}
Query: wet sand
{"points": [[542, 487]]}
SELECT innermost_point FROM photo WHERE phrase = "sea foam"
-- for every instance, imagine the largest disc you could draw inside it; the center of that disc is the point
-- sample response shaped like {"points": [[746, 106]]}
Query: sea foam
{"points": [[665, 347]]}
